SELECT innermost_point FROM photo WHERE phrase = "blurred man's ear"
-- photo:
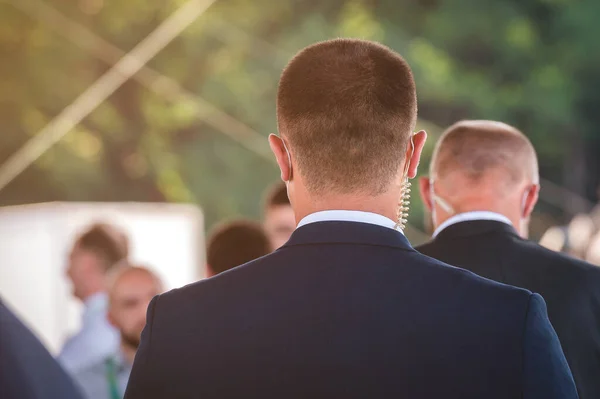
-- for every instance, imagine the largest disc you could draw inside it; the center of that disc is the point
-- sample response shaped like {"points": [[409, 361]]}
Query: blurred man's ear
{"points": [[413, 153], [425, 190], [282, 156], [530, 200]]}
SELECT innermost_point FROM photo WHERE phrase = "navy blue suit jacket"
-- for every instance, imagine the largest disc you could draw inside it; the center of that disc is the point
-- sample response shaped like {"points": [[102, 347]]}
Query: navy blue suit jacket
{"points": [[27, 370], [570, 287], [349, 310]]}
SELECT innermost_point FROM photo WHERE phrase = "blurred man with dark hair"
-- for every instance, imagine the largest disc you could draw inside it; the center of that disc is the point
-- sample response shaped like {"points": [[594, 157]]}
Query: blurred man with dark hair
{"points": [[347, 308], [279, 219], [130, 290], [95, 252], [27, 370], [234, 244], [482, 188]]}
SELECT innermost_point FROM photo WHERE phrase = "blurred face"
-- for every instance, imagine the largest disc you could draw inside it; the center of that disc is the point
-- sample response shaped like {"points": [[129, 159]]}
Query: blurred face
{"points": [[129, 299], [81, 269], [280, 223]]}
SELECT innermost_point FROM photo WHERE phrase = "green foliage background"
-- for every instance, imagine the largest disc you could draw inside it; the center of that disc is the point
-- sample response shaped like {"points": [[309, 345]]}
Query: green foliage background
{"points": [[531, 63]]}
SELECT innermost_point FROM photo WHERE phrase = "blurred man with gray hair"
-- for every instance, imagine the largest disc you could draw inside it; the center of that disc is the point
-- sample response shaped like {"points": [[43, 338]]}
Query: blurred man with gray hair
{"points": [[482, 189]]}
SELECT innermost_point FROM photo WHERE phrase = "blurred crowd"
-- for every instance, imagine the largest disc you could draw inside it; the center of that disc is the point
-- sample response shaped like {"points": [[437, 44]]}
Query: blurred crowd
{"points": [[580, 238], [115, 292]]}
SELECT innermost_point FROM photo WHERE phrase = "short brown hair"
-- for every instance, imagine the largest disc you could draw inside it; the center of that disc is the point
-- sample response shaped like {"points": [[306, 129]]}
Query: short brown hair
{"points": [[106, 242], [347, 108], [235, 243], [277, 196], [477, 147]]}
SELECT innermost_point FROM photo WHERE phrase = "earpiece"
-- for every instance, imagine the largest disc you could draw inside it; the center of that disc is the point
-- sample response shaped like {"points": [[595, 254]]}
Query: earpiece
{"points": [[404, 203]]}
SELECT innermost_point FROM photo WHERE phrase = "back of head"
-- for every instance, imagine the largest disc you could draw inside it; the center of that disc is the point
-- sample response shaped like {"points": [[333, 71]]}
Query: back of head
{"points": [[234, 244], [482, 166], [108, 244], [485, 152], [347, 108]]}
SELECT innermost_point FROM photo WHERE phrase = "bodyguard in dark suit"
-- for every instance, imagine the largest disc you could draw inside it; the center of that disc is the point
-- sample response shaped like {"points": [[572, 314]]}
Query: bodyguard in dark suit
{"points": [[27, 370], [347, 309], [485, 184]]}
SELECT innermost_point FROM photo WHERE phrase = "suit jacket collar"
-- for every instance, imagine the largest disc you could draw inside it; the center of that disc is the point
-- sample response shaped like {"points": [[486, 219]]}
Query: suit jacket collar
{"points": [[476, 227], [342, 232]]}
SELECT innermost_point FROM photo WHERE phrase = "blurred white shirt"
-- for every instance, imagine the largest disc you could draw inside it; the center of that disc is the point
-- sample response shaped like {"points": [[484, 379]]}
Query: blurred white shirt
{"points": [[106, 379], [96, 340]]}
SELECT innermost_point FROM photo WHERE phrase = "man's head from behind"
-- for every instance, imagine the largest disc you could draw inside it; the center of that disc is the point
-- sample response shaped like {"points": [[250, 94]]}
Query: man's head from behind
{"points": [[345, 110], [279, 219], [130, 290], [93, 254], [482, 166], [234, 244]]}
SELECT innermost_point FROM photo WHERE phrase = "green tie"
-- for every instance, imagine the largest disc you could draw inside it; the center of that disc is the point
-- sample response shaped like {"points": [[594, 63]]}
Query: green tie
{"points": [[111, 377]]}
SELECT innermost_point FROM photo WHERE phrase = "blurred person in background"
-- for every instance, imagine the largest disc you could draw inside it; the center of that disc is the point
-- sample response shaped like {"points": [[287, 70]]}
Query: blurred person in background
{"points": [[347, 308], [593, 252], [482, 188], [595, 212], [279, 219], [95, 252], [27, 370], [131, 289], [234, 244]]}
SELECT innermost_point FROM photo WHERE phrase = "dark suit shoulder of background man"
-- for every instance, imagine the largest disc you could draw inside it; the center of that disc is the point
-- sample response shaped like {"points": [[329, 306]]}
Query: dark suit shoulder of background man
{"points": [[495, 168], [347, 308], [27, 370]]}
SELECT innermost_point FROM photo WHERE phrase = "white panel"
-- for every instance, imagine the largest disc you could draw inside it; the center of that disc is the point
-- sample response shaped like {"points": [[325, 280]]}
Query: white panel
{"points": [[35, 241], [28, 280]]}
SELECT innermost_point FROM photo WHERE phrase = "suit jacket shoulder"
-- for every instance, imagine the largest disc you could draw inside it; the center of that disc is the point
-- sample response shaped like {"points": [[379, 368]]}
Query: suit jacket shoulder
{"points": [[568, 285]]}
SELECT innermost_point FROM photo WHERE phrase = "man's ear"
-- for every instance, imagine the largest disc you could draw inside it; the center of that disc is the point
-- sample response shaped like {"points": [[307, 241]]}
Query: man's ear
{"points": [[413, 153], [425, 190], [282, 156], [530, 200]]}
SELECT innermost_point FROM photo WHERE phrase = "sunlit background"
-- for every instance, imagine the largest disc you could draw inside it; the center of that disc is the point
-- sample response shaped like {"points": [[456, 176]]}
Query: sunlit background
{"points": [[190, 126]]}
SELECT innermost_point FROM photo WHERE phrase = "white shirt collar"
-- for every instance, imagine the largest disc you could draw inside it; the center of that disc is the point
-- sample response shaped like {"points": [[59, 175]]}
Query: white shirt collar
{"points": [[470, 216], [348, 216]]}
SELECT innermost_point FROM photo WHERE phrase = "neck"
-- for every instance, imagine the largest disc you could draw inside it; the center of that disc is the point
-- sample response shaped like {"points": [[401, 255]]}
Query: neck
{"points": [[128, 352], [385, 205], [91, 291]]}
